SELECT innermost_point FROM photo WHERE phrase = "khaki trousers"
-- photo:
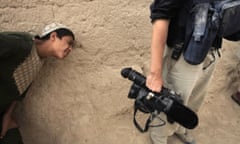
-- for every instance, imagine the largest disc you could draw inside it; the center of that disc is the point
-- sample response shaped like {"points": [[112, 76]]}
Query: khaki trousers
{"points": [[190, 81]]}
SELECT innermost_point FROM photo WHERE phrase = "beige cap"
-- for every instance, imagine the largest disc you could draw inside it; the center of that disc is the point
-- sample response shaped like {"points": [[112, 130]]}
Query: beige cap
{"points": [[52, 27]]}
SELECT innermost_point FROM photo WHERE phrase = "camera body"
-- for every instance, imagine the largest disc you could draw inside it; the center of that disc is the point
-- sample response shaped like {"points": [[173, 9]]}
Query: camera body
{"points": [[148, 101], [166, 101]]}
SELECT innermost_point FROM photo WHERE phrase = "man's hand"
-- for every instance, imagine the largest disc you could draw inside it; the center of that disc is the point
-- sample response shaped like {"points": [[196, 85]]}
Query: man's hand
{"points": [[8, 122], [154, 82]]}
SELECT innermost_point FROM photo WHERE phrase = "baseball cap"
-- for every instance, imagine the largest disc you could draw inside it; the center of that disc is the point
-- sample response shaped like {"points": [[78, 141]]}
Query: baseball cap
{"points": [[52, 27]]}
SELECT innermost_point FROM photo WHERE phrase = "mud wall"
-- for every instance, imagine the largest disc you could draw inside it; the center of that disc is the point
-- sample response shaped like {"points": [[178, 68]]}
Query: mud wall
{"points": [[83, 99]]}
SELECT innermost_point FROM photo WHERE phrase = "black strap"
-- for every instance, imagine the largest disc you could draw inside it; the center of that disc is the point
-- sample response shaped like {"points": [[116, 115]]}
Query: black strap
{"points": [[203, 1], [145, 129], [147, 124]]}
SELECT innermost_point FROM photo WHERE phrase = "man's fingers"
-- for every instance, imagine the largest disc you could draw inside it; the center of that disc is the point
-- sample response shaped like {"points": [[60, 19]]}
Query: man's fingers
{"points": [[2, 135], [155, 88], [149, 82], [154, 84]]}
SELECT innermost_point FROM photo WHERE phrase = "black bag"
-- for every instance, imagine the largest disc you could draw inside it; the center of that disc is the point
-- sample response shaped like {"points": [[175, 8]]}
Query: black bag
{"points": [[230, 18]]}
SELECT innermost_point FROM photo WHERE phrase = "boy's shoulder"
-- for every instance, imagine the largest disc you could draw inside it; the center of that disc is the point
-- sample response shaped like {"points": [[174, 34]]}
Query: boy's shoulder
{"points": [[15, 34]]}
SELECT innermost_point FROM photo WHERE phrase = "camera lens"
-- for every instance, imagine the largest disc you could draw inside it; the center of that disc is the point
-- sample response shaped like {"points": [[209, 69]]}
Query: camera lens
{"points": [[134, 90]]}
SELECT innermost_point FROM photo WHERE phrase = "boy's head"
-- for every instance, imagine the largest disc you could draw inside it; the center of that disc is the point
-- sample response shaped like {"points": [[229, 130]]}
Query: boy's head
{"points": [[60, 39]]}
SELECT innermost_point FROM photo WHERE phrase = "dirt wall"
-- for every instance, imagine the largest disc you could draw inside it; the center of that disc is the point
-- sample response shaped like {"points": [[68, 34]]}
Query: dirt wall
{"points": [[83, 99]]}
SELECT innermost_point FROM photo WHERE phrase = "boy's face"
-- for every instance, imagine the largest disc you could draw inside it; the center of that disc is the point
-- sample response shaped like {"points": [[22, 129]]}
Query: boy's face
{"points": [[61, 47]]}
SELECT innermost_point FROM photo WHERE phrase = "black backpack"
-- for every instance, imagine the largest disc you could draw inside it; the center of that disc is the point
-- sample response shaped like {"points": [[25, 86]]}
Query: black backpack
{"points": [[205, 23]]}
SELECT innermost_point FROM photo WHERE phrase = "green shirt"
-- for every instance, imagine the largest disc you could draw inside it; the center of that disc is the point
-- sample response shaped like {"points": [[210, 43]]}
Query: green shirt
{"points": [[18, 59]]}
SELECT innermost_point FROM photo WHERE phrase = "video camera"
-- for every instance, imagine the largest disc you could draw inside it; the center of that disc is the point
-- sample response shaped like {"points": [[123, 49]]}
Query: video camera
{"points": [[166, 101]]}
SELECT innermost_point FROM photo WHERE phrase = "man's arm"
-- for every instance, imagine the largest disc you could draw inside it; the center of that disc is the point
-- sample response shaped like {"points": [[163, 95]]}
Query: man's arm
{"points": [[162, 11], [159, 37]]}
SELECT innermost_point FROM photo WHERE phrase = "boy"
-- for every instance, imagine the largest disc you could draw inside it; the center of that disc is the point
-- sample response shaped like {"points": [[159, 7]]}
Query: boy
{"points": [[21, 57]]}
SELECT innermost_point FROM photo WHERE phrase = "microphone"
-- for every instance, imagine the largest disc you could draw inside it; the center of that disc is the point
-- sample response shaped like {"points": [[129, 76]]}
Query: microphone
{"points": [[182, 115]]}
